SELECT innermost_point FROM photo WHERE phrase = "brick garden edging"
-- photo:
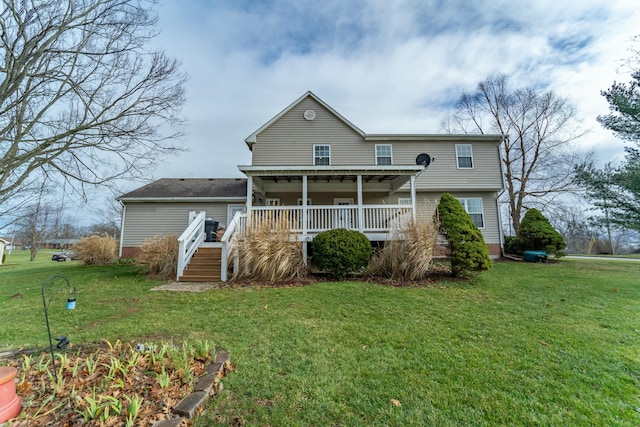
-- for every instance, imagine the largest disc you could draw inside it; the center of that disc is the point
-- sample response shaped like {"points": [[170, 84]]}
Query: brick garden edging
{"points": [[205, 388]]}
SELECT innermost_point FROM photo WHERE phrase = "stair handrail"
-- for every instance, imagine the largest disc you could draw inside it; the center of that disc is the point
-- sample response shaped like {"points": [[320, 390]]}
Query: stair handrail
{"points": [[189, 241], [229, 240]]}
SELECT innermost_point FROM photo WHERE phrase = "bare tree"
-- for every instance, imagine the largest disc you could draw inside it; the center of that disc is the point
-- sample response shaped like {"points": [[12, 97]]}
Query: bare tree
{"points": [[537, 153], [36, 225], [574, 225], [82, 100]]}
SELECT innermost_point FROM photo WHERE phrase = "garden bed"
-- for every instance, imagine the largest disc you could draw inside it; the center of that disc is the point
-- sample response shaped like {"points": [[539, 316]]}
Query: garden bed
{"points": [[121, 384]]}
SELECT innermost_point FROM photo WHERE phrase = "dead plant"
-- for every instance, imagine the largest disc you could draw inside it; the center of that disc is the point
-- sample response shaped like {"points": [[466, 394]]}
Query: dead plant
{"points": [[408, 251], [97, 249], [269, 252], [159, 256]]}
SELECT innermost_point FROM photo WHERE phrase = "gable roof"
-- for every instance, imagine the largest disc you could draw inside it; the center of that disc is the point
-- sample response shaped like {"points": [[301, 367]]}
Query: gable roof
{"points": [[251, 139], [178, 189]]}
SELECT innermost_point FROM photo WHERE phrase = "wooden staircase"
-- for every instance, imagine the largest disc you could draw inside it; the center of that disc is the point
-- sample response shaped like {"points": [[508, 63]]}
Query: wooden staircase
{"points": [[204, 266]]}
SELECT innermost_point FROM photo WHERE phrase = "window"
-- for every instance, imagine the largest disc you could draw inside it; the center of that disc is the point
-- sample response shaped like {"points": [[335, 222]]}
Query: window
{"points": [[383, 155], [272, 202], [321, 155], [473, 206], [464, 154], [300, 202], [404, 201]]}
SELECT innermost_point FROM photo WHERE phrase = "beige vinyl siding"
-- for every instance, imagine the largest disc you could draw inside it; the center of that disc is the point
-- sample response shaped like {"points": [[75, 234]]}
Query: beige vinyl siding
{"points": [[146, 220], [290, 140], [443, 175], [427, 202]]}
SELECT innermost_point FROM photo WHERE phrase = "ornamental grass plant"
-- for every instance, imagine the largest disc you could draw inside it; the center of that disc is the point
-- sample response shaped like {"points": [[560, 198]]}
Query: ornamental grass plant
{"points": [[97, 249], [159, 256], [267, 250], [407, 254]]}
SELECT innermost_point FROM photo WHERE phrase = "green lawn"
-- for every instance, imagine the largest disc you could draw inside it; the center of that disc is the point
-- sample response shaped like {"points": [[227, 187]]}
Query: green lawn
{"points": [[525, 344]]}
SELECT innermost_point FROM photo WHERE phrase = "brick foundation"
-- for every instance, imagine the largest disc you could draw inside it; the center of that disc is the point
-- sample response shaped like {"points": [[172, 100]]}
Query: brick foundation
{"points": [[130, 252], [495, 250]]}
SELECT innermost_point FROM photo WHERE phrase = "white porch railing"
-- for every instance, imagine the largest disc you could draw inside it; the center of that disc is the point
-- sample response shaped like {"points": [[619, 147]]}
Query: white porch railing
{"points": [[189, 241], [375, 218]]}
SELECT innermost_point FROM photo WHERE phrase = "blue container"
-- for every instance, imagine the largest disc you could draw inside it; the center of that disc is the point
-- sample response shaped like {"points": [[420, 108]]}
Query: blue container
{"points": [[535, 256], [71, 303]]}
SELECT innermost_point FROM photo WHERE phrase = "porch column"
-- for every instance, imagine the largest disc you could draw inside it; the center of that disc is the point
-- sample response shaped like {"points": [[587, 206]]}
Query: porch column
{"points": [[412, 180], [360, 210], [304, 219], [249, 198]]}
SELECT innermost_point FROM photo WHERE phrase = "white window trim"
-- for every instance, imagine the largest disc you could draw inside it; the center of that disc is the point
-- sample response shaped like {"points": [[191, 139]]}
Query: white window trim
{"points": [[473, 163], [232, 209], [272, 202], [404, 201], [313, 160], [390, 152], [300, 201], [464, 201]]}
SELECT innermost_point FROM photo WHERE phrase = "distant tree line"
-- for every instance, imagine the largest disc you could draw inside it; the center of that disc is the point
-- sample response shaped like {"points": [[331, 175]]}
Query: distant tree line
{"points": [[44, 222]]}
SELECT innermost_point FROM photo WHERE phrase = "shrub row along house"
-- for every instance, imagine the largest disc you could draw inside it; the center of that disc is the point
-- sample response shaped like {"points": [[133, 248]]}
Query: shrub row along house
{"points": [[319, 170]]}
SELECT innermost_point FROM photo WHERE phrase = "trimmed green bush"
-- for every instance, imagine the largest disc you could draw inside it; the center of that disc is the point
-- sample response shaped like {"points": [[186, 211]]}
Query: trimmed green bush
{"points": [[537, 233], [512, 245], [341, 251], [467, 248]]}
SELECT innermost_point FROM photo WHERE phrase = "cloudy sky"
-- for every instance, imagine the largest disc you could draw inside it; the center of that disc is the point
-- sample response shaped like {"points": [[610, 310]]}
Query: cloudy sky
{"points": [[389, 66]]}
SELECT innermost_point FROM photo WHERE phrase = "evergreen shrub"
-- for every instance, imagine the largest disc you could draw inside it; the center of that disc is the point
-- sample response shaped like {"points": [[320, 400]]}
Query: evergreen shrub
{"points": [[341, 252], [467, 248], [537, 233]]}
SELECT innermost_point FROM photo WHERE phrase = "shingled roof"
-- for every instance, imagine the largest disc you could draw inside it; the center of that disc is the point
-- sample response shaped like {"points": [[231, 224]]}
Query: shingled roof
{"points": [[182, 188]]}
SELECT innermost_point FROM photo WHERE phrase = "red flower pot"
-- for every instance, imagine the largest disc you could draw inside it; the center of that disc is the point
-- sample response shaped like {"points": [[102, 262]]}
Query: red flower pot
{"points": [[9, 401]]}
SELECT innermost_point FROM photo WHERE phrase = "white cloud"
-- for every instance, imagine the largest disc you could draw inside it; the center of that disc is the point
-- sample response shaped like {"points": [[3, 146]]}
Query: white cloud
{"points": [[388, 66]]}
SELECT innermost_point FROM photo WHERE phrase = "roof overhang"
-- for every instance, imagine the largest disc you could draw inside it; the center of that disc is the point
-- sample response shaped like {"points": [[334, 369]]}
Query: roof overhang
{"points": [[182, 199], [395, 176], [378, 170], [490, 138]]}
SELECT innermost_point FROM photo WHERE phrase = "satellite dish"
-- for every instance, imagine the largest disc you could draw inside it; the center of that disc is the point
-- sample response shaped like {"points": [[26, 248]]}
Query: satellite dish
{"points": [[423, 159]]}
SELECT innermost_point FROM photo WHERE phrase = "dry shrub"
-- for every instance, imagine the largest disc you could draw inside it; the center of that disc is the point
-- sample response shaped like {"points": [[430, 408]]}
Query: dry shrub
{"points": [[408, 251], [97, 249], [159, 256], [268, 252]]}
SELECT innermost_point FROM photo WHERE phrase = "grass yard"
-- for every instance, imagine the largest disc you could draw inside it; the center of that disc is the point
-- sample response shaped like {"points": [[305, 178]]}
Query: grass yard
{"points": [[525, 344]]}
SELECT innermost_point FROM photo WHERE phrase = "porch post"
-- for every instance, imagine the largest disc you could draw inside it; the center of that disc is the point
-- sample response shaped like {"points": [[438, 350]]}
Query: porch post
{"points": [[413, 196], [249, 198], [304, 219], [360, 210]]}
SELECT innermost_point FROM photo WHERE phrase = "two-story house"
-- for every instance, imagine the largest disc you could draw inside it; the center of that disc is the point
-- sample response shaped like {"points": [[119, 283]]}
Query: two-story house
{"points": [[312, 164]]}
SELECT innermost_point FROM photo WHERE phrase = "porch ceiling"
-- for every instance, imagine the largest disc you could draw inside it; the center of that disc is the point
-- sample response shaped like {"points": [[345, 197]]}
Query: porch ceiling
{"points": [[332, 173]]}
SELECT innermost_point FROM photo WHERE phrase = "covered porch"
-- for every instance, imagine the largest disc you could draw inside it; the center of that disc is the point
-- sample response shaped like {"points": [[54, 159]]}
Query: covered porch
{"points": [[319, 198], [351, 197]]}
